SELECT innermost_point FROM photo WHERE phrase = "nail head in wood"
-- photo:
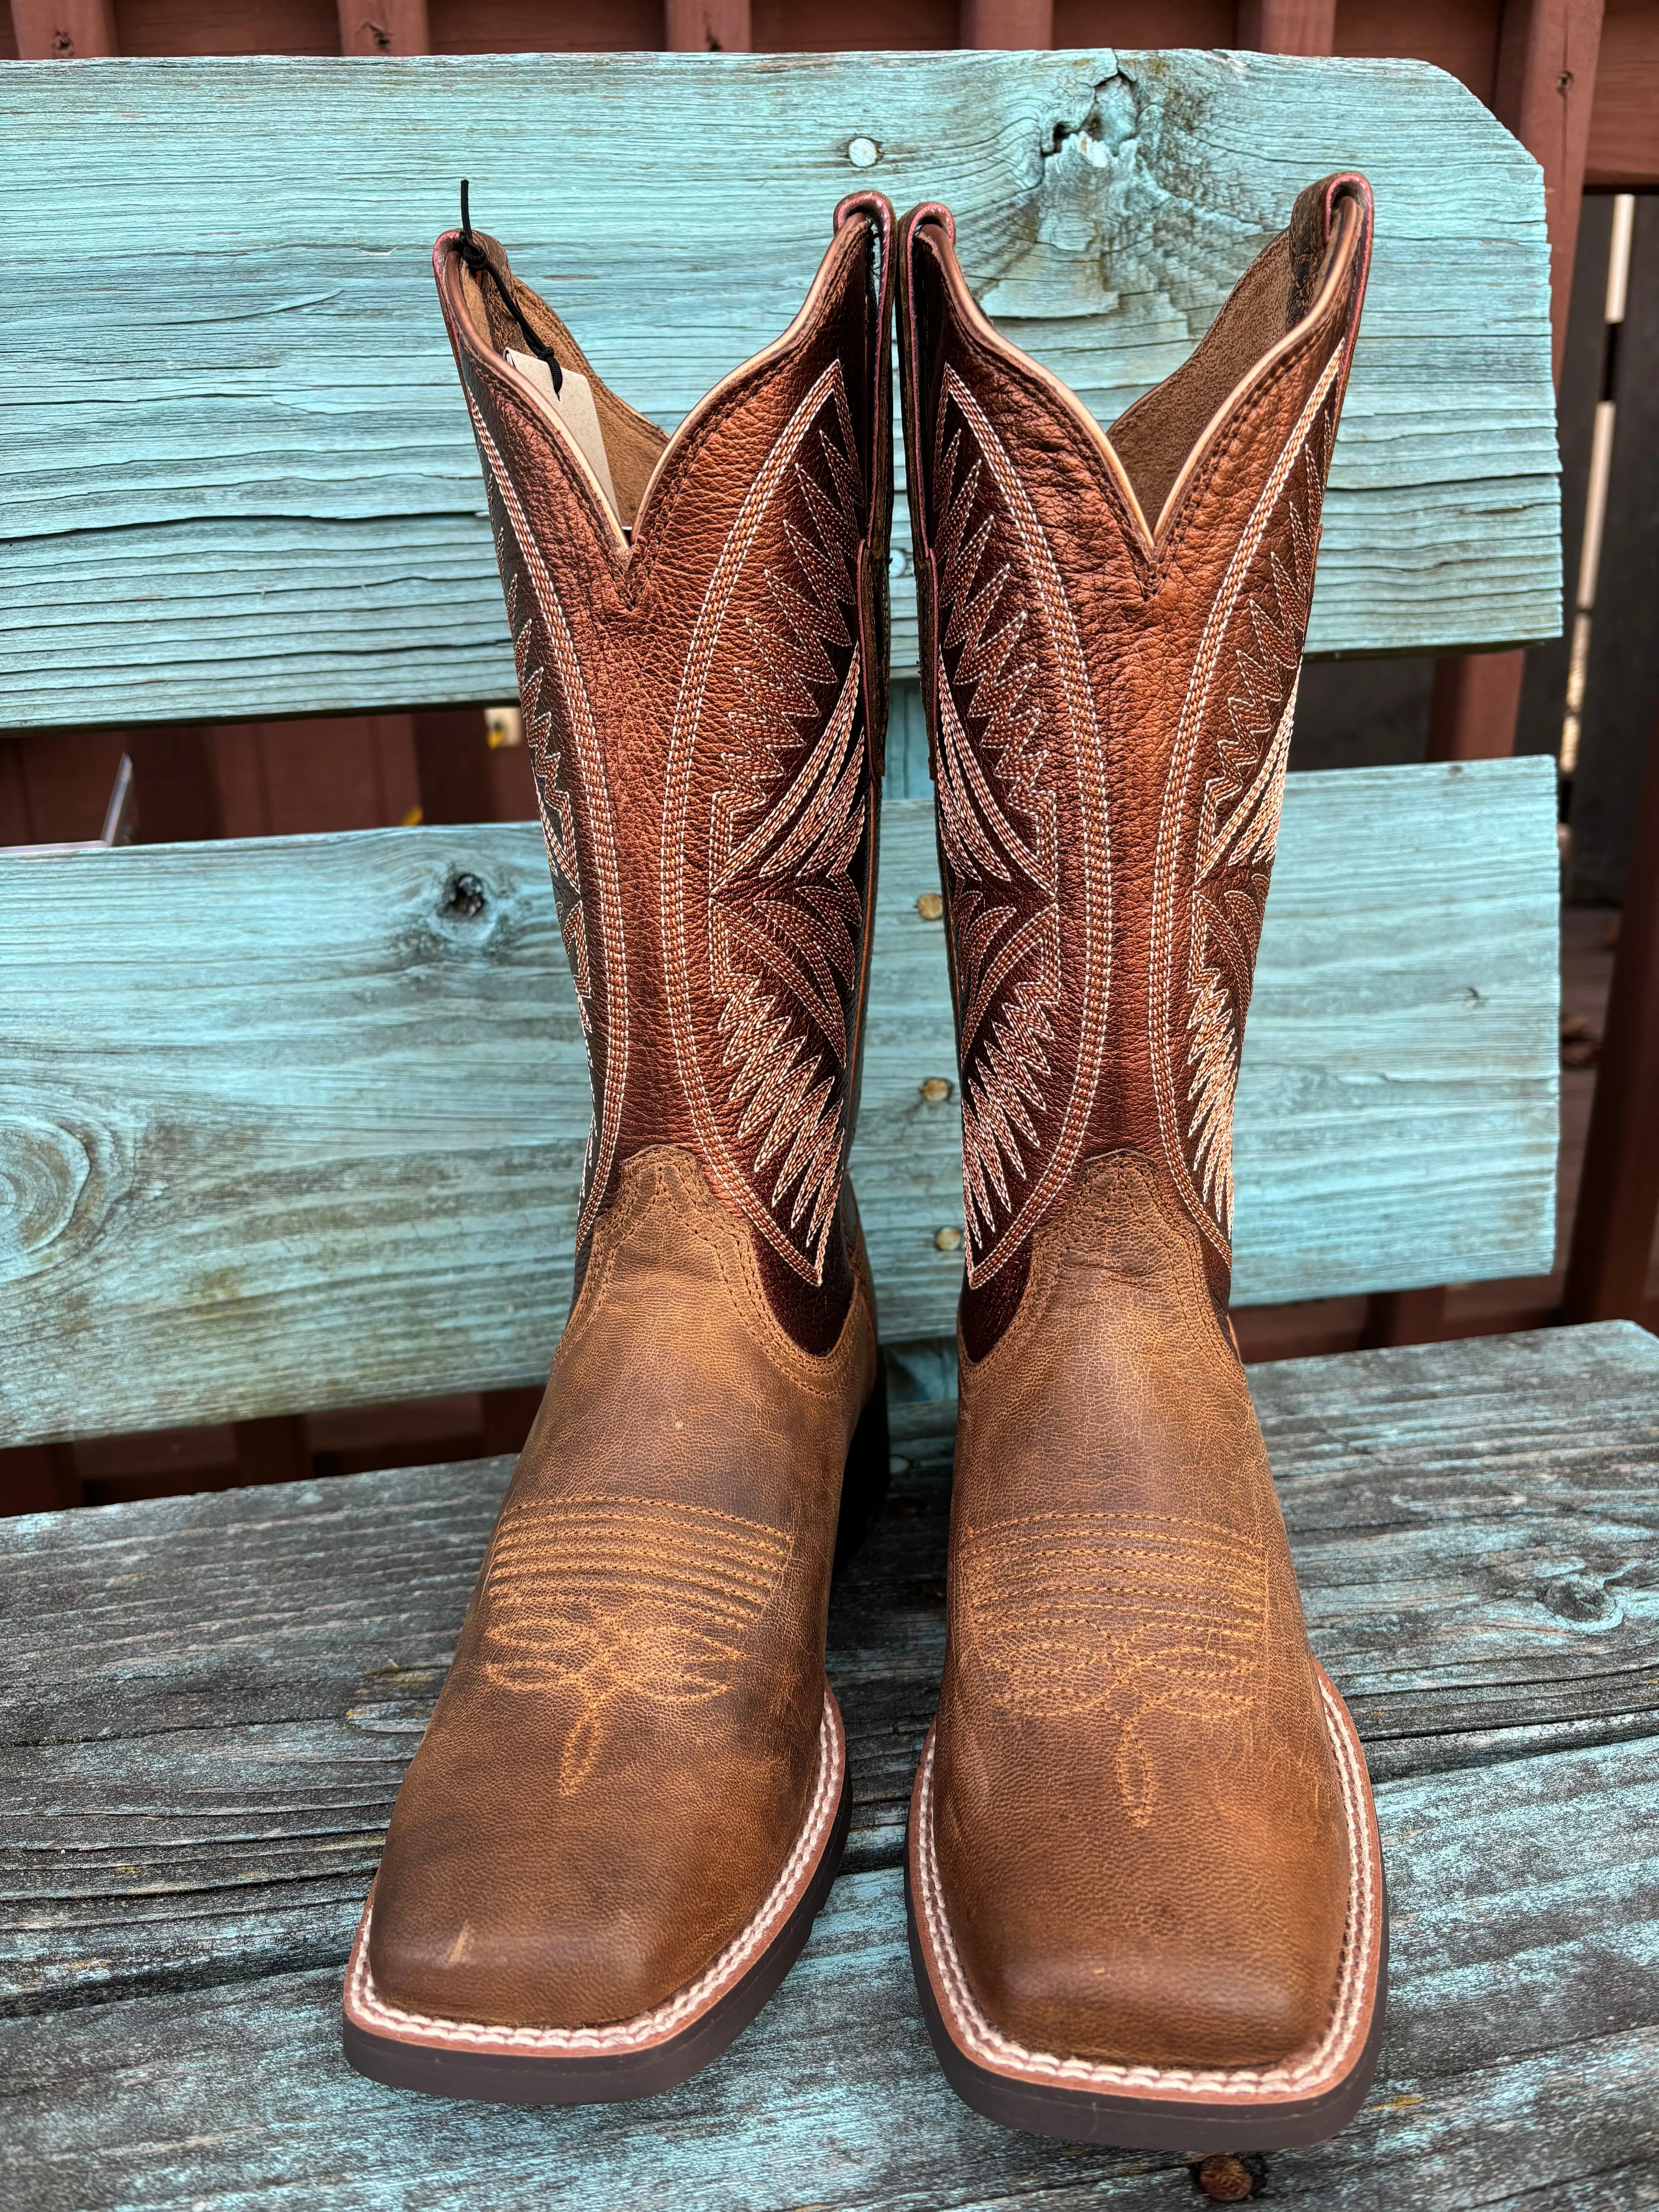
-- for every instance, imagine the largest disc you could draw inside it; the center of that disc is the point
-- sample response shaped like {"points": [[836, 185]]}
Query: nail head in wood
{"points": [[1225, 2179]]}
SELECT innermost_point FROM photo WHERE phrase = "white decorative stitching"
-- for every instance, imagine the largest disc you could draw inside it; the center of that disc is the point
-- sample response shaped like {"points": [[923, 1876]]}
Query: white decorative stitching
{"points": [[608, 1072], [1222, 943], [1122, 1614], [1004, 907], [785, 911], [785, 915], [1329, 2059], [621, 1600], [368, 2009]]}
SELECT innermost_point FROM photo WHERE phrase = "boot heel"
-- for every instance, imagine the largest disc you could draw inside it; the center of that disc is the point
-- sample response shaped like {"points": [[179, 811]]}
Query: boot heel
{"points": [[864, 1483]]}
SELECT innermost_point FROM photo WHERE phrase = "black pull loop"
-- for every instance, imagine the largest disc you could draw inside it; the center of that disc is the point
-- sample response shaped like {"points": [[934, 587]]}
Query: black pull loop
{"points": [[479, 262], [472, 252]]}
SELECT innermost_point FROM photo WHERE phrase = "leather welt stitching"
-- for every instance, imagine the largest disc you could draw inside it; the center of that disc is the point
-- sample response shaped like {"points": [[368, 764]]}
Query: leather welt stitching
{"points": [[1170, 871], [784, 922], [650, 1568], [1171, 1597], [608, 1069], [1005, 886], [603, 1503], [1063, 1522], [1328, 2060], [366, 2006]]}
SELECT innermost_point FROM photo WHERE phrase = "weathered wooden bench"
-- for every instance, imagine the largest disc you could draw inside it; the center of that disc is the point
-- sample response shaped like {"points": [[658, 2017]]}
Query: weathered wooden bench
{"points": [[296, 1124]]}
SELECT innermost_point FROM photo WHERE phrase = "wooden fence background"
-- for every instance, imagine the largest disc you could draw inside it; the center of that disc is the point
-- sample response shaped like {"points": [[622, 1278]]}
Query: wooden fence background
{"points": [[1576, 81]]}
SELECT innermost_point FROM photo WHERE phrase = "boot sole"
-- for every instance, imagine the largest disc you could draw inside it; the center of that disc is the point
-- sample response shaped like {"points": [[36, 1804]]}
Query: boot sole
{"points": [[639, 2057], [1300, 2099]]}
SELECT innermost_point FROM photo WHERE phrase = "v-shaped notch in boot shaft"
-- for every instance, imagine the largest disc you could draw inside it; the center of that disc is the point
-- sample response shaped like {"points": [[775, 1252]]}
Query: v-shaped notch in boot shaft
{"points": [[1157, 448], [499, 313], [491, 313]]}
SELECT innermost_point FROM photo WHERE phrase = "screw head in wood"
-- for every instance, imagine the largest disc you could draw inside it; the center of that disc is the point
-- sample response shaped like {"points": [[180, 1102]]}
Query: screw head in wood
{"points": [[930, 906], [949, 1240], [935, 1091], [863, 153]]}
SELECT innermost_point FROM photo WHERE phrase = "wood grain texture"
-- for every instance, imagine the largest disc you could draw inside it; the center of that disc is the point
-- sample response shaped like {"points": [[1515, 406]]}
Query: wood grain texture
{"points": [[238, 2096], [1624, 136], [299, 1123], [237, 477], [208, 1703]]}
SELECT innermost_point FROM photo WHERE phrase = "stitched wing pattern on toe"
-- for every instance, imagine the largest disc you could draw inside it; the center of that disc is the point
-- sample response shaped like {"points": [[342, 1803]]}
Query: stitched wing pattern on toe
{"points": [[614, 1599], [1120, 1613]]}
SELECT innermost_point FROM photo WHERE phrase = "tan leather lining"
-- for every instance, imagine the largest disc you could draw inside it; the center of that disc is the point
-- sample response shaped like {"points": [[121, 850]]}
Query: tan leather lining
{"points": [[1153, 438], [573, 403], [632, 441]]}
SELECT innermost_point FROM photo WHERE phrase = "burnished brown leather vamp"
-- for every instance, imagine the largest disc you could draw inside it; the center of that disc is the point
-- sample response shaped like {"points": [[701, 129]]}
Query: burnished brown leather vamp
{"points": [[1139, 1824], [627, 1739]]}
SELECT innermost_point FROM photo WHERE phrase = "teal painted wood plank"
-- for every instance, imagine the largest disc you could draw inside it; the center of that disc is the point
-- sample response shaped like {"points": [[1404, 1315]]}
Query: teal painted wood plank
{"points": [[237, 479], [288, 1125], [1519, 2060], [207, 1704], [1398, 1105]]}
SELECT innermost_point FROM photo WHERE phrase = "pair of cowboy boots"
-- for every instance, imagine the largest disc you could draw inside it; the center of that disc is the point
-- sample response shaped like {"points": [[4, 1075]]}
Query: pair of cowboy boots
{"points": [[1145, 1889]]}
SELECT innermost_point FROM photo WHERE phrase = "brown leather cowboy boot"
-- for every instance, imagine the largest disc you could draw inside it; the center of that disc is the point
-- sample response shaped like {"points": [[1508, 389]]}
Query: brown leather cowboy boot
{"points": [[632, 1796], [1145, 1892]]}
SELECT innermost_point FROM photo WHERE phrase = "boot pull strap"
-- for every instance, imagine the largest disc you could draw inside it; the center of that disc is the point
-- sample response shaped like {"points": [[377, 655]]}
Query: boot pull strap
{"points": [[480, 263]]}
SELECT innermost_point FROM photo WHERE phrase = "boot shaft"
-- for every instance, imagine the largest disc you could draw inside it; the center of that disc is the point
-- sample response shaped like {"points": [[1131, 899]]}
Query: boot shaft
{"points": [[1112, 627], [701, 629]]}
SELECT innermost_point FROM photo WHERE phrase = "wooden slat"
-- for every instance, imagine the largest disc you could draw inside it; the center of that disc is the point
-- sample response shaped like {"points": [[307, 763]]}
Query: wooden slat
{"points": [[238, 2096], [237, 478], [1624, 139], [288, 1126], [206, 1704], [1398, 1116]]}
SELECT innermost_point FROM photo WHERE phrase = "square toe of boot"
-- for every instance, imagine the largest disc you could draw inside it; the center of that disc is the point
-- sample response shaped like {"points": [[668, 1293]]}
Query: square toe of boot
{"points": [[495, 1966], [1163, 2008]]}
